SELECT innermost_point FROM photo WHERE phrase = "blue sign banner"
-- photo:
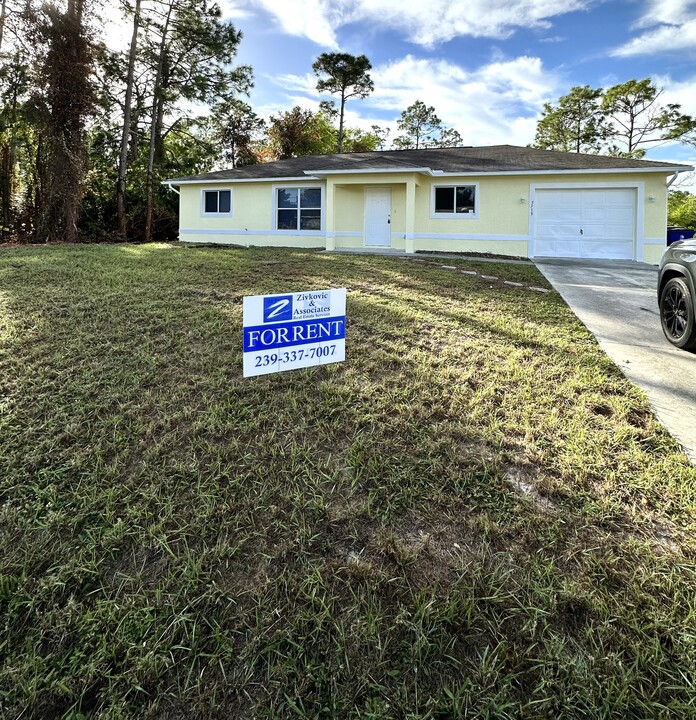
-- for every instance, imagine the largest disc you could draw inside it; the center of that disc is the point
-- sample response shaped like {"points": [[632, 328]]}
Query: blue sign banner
{"points": [[300, 332]]}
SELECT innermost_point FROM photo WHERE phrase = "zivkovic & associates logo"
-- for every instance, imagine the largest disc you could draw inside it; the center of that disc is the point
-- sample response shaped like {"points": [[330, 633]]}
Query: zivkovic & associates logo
{"points": [[277, 309]]}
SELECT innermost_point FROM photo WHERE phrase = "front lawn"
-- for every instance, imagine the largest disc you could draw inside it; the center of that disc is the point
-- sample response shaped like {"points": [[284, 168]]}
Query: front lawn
{"points": [[475, 515]]}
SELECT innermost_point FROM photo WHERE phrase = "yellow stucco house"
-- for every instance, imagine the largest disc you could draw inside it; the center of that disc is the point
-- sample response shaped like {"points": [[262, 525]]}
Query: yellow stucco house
{"points": [[498, 199]]}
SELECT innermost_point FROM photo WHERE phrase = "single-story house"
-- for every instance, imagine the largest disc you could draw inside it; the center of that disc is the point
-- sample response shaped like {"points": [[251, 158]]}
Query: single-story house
{"points": [[499, 199]]}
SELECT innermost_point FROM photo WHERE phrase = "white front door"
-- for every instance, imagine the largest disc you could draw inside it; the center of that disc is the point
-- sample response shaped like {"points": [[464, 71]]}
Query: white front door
{"points": [[378, 216], [585, 223]]}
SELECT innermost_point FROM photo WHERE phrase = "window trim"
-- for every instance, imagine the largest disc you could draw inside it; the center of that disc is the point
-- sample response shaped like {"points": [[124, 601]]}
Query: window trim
{"points": [[298, 187], [216, 214], [454, 215]]}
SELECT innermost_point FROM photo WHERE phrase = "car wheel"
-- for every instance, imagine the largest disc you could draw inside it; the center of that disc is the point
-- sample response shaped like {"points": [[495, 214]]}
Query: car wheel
{"points": [[677, 314]]}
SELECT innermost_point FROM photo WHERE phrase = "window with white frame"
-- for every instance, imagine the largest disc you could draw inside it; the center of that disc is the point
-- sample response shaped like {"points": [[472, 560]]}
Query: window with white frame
{"points": [[455, 201], [217, 202], [298, 208]]}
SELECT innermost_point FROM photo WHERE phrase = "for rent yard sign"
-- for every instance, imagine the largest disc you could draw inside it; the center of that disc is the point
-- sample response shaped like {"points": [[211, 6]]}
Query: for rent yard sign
{"points": [[285, 332]]}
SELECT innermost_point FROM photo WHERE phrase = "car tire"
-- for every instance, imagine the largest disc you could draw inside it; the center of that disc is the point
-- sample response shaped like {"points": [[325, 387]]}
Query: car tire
{"points": [[677, 314]]}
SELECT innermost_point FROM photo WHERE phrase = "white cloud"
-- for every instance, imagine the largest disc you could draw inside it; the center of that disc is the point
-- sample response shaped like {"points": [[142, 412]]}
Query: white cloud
{"points": [[682, 92], [424, 22], [313, 19], [669, 26], [296, 83], [493, 104], [233, 10], [671, 12], [665, 38]]}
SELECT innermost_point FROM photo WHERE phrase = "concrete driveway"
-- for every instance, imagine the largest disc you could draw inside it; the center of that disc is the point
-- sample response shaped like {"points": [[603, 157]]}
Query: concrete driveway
{"points": [[617, 301]]}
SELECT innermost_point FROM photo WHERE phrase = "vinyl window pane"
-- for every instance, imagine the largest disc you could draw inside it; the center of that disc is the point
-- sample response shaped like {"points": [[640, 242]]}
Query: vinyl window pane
{"points": [[466, 199], [287, 197], [310, 219], [224, 201], [444, 200], [310, 197], [211, 201], [287, 219]]}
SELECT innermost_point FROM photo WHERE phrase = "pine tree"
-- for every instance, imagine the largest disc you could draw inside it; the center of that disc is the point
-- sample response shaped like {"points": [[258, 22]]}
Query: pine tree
{"points": [[346, 76], [419, 125], [576, 124], [637, 119]]}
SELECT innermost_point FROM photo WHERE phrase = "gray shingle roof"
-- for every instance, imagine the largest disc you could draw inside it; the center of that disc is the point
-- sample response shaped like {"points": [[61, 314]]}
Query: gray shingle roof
{"points": [[492, 158]]}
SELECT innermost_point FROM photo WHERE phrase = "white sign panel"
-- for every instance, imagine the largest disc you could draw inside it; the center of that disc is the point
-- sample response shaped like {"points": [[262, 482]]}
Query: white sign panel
{"points": [[286, 332]]}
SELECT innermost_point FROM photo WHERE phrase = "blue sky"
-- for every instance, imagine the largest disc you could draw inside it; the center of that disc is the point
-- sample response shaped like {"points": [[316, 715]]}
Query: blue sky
{"points": [[487, 66]]}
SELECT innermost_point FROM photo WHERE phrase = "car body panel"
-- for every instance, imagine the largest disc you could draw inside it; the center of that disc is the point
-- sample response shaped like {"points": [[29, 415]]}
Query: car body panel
{"points": [[677, 300], [678, 259]]}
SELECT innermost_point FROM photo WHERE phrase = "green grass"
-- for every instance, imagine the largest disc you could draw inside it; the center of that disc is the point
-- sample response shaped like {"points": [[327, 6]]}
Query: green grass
{"points": [[475, 515]]}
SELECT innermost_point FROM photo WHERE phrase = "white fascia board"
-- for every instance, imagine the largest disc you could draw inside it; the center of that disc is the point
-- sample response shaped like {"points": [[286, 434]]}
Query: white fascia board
{"points": [[368, 170], [227, 181], [609, 171], [314, 174]]}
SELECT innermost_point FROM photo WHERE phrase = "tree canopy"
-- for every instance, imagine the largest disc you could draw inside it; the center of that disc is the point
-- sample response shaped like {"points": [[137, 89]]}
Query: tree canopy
{"points": [[237, 130], [420, 127], [303, 132], [622, 120], [637, 119], [681, 209], [346, 76], [576, 124], [86, 133]]}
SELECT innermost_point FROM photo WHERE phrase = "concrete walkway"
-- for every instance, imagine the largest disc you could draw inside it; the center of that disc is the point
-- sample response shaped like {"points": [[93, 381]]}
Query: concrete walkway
{"points": [[617, 301], [435, 256]]}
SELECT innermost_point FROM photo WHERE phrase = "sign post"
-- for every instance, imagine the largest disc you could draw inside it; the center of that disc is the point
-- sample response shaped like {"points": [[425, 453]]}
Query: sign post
{"points": [[286, 332]]}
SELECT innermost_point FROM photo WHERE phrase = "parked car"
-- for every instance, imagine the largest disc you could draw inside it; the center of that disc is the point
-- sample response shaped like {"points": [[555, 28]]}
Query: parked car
{"points": [[676, 294]]}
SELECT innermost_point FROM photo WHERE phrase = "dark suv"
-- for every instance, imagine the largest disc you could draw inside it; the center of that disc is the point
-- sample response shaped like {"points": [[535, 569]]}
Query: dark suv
{"points": [[676, 294]]}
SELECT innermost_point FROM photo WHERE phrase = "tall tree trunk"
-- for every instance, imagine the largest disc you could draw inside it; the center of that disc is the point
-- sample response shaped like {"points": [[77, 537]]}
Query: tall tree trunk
{"points": [[136, 114], [74, 140], [123, 159], [69, 95], [3, 13], [6, 173], [340, 122], [7, 166], [74, 144], [159, 124], [156, 109], [36, 191]]}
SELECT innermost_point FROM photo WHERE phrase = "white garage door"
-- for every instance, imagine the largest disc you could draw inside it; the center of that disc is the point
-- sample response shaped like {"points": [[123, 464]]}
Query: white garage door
{"points": [[585, 223]]}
